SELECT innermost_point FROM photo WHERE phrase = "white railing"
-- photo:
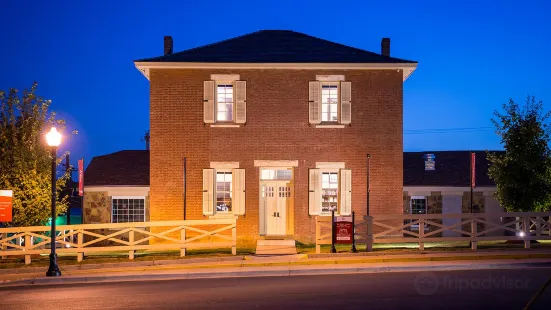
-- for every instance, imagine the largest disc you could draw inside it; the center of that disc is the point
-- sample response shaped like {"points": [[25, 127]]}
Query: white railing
{"points": [[88, 238], [410, 228]]}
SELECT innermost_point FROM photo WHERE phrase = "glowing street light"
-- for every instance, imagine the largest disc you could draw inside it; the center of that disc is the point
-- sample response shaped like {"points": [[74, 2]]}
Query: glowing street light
{"points": [[53, 138]]}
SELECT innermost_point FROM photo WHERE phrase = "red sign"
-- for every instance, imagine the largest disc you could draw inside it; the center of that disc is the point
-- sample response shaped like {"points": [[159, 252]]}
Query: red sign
{"points": [[81, 176], [343, 229], [6, 205], [473, 170]]}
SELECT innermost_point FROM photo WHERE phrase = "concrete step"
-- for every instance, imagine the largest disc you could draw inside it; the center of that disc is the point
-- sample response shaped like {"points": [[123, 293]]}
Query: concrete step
{"points": [[275, 247]]}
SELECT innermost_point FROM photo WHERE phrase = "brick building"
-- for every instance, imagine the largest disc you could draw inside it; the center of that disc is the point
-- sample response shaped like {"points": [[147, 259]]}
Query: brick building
{"points": [[275, 128]]}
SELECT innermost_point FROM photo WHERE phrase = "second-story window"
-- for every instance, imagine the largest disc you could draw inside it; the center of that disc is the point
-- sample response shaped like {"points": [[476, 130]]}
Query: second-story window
{"points": [[329, 102], [224, 102]]}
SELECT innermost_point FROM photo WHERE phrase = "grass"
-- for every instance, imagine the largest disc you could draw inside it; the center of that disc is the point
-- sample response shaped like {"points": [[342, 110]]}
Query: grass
{"points": [[118, 257]]}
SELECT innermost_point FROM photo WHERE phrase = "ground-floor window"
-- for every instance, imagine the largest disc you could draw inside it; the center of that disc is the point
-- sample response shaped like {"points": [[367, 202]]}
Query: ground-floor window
{"points": [[418, 205], [329, 192], [223, 191], [127, 209]]}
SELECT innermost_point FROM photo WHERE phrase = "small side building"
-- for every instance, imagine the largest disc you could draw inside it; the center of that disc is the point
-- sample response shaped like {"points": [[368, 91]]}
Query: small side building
{"points": [[439, 183], [116, 188]]}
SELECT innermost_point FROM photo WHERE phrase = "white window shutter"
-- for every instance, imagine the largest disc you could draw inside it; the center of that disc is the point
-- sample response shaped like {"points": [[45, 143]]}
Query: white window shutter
{"points": [[208, 191], [314, 98], [208, 102], [345, 191], [314, 192], [346, 107], [240, 102], [238, 201]]}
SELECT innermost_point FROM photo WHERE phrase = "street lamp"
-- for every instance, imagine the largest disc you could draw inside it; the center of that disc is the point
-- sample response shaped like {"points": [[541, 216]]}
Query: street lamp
{"points": [[54, 140]]}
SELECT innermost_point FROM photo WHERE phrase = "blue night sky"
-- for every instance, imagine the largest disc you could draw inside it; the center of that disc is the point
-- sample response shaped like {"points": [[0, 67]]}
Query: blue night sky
{"points": [[472, 57]]}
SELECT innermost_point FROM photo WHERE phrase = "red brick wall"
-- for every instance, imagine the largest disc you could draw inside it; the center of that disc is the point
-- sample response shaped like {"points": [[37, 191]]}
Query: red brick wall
{"points": [[277, 129]]}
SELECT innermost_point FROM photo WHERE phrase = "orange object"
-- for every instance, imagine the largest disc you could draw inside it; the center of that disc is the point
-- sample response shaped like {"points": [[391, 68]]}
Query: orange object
{"points": [[6, 209]]}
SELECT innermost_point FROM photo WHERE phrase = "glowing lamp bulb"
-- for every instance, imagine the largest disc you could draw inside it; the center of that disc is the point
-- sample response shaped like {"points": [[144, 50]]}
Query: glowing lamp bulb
{"points": [[53, 138], [521, 234]]}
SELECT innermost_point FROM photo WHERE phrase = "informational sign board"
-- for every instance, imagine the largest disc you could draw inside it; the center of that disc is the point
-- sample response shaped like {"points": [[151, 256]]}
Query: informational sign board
{"points": [[81, 176], [343, 229], [6, 208]]}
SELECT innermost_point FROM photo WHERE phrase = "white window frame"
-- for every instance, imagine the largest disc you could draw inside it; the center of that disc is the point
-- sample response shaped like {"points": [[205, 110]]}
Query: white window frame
{"points": [[338, 103], [216, 171], [322, 171], [416, 226], [130, 197], [216, 84]]}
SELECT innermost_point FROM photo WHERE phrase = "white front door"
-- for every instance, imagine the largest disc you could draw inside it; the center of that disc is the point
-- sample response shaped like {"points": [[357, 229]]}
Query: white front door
{"points": [[276, 197]]}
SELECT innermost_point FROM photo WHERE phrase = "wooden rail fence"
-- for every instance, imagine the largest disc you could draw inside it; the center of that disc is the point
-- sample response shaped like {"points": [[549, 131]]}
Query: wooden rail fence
{"points": [[422, 228], [88, 238]]}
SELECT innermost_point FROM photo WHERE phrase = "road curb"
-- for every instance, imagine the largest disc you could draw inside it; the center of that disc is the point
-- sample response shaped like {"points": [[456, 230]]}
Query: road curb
{"points": [[255, 272]]}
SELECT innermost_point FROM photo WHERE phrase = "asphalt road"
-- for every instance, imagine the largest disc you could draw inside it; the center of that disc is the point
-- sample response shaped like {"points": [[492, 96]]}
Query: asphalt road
{"points": [[465, 290]]}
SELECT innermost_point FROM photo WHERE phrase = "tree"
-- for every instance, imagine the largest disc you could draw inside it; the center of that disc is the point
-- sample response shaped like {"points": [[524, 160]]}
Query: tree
{"points": [[25, 161], [523, 173]]}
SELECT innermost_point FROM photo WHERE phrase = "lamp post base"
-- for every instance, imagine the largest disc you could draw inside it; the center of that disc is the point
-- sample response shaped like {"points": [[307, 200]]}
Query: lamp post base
{"points": [[53, 270]]}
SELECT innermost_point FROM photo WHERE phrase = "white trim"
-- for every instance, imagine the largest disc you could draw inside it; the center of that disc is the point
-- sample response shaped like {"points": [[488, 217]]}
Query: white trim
{"points": [[453, 193], [128, 197], [329, 78], [224, 77], [330, 126], [276, 163], [407, 68], [419, 197], [330, 165], [418, 193], [224, 165], [119, 190], [225, 125], [223, 215]]}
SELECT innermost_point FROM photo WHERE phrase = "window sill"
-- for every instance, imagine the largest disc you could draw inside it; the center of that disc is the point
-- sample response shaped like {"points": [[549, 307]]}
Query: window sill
{"points": [[226, 125], [330, 126], [218, 216]]}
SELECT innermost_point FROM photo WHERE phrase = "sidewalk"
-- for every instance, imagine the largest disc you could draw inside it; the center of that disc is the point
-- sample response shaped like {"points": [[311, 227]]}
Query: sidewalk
{"points": [[302, 264]]}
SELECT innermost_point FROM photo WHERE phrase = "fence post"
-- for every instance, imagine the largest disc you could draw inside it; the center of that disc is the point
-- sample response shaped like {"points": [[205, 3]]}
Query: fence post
{"points": [[318, 234], [234, 239], [333, 249], [183, 241], [421, 234], [526, 230], [368, 233], [80, 253], [474, 231], [4, 244], [131, 241], [28, 246]]}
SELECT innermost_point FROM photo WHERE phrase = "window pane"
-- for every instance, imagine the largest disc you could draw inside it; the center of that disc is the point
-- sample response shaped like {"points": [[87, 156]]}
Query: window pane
{"points": [[128, 210], [224, 104]]}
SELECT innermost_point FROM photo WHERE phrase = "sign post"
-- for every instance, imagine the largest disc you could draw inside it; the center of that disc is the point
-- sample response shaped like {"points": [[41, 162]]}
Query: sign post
{"points": [[473, 179], [81, 176], [6, 206]]}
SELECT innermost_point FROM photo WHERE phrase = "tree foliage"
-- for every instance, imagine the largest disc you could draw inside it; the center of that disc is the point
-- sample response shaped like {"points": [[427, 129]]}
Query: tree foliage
{"points": [[25, 160], [523, 172]]}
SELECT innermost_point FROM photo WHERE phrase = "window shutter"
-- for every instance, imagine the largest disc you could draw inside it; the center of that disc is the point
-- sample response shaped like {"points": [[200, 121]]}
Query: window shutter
{"points": [[208, 191], [208, 102], [240, 102], [314, 195], [345, 191], [238, 203], [346, 98], [314, 98]]}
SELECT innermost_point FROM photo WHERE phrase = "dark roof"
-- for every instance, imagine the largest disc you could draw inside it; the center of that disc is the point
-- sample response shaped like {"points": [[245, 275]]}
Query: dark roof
{"points": [[452, 168], [276, 46], [120, 168]]}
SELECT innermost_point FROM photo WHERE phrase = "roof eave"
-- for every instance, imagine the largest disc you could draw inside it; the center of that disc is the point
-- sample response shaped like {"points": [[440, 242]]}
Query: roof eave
{"points": [[406, 67]]}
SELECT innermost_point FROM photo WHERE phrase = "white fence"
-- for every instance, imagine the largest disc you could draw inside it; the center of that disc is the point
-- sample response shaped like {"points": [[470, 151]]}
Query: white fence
{"points": [[423, 228], [88, 238]]}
